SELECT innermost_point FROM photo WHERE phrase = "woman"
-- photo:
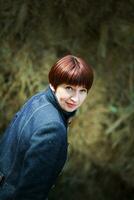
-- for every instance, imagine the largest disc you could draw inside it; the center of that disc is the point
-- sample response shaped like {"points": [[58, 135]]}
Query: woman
{"points": [[33, 149]]}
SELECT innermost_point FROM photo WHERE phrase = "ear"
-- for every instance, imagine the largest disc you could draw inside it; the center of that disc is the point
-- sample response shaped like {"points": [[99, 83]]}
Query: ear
{"points": [[52, 88]]}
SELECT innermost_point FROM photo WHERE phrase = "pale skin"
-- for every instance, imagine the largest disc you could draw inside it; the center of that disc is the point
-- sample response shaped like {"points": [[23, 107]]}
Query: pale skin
{"points": [[70, 97]]}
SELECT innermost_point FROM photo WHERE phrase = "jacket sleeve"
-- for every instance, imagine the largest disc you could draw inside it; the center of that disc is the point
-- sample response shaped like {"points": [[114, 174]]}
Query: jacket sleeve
{"points": [[38, 170]]}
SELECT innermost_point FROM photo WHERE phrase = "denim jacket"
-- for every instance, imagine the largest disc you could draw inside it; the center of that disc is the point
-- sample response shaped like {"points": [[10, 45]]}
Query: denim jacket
{"points": [[33, 149]]}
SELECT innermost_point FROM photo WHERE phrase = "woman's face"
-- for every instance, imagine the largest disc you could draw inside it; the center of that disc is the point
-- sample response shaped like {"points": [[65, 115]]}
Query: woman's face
{"points": [[70, 97]]}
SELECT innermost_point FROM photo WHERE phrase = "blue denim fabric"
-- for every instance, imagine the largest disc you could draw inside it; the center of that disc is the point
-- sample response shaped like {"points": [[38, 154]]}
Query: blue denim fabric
{"points": [[33, 149]]}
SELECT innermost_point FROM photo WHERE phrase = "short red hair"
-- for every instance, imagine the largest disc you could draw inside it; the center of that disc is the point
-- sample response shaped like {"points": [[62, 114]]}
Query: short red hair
{"points": [[71, 70]]}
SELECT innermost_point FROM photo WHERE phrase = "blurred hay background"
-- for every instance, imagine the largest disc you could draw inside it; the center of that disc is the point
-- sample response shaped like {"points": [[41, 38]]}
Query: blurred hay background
{"points": [[33, 34]]}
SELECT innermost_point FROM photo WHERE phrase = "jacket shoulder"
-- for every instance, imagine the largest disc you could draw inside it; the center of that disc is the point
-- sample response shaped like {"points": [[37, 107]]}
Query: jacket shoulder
{"points": [[38, 112]]}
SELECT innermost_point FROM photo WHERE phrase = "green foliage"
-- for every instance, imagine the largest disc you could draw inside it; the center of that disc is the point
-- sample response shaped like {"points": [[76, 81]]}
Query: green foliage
{"points": [[20, 78], [33, 34]]}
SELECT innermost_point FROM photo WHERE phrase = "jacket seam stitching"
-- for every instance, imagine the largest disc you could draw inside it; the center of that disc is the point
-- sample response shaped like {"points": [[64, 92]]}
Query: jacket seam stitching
{"points": [[22, 132], [31, 117]]}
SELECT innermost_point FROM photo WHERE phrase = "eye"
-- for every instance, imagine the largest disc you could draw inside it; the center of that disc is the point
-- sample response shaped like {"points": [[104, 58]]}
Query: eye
{"points": [[69, 88], [84, 90]]}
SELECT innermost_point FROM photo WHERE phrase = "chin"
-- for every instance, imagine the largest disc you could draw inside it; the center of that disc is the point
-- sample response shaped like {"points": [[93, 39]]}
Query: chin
{"points": [[70, 110]]}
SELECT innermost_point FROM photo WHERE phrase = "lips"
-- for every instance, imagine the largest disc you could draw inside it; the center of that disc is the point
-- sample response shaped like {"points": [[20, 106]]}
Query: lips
{"points": [[71, 105]]}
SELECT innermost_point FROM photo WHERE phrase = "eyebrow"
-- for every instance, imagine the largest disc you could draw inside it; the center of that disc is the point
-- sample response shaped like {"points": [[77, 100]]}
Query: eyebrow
{"points": [[73, 86]]}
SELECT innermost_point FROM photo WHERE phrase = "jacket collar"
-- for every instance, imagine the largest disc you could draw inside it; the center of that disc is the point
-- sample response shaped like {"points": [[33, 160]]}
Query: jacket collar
{"points": [[52, 98]]}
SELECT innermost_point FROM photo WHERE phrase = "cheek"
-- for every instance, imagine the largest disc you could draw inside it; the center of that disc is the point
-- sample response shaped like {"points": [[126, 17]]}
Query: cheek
{"points": [[83, 99], [63, 97]]}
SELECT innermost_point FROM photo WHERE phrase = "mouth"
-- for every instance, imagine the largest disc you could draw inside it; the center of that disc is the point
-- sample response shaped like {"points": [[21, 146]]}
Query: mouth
{"points": [[71, 105]]}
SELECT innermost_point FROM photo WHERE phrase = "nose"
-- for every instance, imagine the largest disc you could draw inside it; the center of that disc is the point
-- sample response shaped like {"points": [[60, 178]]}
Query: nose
{"points": [[75, 97]]}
